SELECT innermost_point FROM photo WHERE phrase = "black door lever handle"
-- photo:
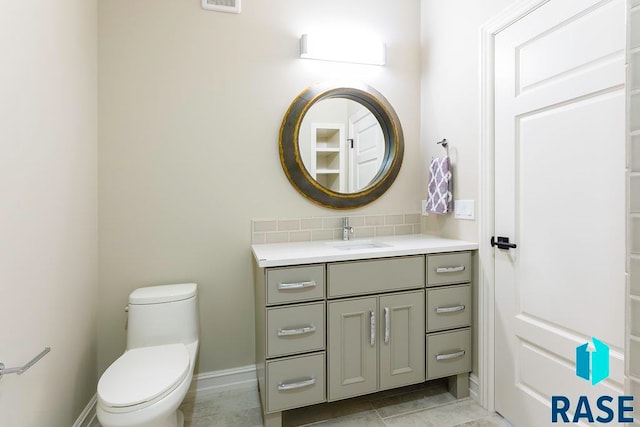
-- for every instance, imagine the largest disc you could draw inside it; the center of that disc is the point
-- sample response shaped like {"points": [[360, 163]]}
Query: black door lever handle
{"points": [[502, 243]]}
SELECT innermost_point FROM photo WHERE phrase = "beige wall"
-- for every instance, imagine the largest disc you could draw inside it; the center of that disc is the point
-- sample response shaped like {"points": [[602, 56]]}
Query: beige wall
{"points": [[48, 208], [450, 107], [450, 98], [190, 105]]}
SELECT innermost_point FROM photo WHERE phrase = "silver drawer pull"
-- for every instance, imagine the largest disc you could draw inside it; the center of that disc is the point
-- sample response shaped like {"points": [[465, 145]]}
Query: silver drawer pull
{"points": [[387, 325], [297, 331], [450, 269], [297, 285], [440, 310], [297, 384], [449, 356], [372, 328]]}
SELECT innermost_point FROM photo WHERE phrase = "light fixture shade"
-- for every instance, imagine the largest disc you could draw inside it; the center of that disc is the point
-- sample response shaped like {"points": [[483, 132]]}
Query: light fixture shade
{"points": [[354, 48]]}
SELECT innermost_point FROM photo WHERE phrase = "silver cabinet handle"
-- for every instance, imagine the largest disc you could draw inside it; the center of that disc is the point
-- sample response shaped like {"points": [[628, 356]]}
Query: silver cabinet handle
{"points": [[455, 308], [387, 325], [297, 331], [449, 356], [296, 285], [372, 325], [450, 269], [297, 384]]}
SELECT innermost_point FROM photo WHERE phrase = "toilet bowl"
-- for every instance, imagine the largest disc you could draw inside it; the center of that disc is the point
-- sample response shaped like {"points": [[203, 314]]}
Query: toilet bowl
{"points": [[145, 386]]}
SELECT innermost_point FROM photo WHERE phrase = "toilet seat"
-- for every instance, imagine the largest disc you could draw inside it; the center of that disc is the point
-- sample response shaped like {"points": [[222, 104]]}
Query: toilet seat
{"points": [[142, 376]]}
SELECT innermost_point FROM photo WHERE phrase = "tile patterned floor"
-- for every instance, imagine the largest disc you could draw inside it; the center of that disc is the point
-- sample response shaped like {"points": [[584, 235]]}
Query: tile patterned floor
{"points": [[425, 405]]}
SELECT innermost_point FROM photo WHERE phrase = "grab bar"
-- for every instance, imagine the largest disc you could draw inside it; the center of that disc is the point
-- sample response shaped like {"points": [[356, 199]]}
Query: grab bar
{"points": [[22, 369]]}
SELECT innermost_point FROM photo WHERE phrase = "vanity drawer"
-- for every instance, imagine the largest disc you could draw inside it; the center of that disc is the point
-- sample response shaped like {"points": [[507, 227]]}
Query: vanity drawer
{"points": [[295, 284], [295, 381], [295, 329], [367, 277], [448, 268], [448, 353], [448, 307]]}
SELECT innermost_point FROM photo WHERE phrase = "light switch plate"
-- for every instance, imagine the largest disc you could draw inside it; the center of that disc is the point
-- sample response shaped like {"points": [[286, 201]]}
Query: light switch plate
{"points": [[464, 209]]}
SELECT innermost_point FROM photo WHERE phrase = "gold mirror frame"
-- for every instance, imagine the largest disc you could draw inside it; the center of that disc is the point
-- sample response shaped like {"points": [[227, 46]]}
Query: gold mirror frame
{"points": [[290, 151]]}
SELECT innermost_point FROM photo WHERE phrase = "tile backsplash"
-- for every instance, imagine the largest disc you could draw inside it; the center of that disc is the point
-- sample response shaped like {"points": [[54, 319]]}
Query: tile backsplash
{"points": [[330, 227]]}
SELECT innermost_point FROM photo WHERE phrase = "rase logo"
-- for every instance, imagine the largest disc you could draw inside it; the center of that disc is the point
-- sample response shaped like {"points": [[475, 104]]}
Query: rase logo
{"points": [[600, 359], [592, 366]]}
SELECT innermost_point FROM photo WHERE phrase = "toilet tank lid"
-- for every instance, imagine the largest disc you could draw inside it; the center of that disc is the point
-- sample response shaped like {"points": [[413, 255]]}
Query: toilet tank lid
{"points": [[163, 293]]}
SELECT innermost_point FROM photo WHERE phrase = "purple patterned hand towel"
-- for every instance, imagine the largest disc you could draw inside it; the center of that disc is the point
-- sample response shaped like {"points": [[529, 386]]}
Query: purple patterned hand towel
{"points": [[439, 193]]}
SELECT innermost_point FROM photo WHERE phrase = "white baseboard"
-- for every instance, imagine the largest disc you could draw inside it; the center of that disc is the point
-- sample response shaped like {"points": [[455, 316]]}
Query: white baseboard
{"points": [[214, 381], [88, 414], [226, 379], [474, 387]]}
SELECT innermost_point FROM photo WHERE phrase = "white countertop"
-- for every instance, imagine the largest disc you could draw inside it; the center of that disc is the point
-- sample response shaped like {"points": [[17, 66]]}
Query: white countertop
{"points": [[281, 254]]}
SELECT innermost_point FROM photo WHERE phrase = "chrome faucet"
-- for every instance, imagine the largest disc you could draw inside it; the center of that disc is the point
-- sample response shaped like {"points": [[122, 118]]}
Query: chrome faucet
{"points": [[346, 230]]}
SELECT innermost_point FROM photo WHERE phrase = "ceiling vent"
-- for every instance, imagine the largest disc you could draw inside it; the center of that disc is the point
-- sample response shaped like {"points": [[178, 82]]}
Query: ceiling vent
{"points": [[231, 6]]}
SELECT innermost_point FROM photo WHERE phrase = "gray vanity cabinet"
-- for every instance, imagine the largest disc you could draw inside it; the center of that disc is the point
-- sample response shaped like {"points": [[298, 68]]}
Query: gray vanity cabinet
{"points": [[400, 339], [334, 330], [353, 354], [448, 319], [375, 342], [290, 338], [373, 276]]}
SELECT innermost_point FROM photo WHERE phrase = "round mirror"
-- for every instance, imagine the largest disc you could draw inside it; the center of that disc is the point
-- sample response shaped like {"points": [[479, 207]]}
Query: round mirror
{"points": [[341, 146]]}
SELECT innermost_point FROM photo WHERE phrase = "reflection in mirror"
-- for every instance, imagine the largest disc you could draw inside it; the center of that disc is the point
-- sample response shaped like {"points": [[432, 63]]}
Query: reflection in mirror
{"points": [[316, 136], [341, 144]]}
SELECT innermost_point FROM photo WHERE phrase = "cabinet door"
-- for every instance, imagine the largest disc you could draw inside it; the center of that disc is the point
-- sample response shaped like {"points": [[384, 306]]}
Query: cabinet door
{"points": [[352, 348], [401, 339]]}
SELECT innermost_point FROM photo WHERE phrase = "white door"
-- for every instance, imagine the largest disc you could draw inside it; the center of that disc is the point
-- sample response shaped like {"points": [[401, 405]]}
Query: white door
{"points": [[367, 151], [559, 195]]}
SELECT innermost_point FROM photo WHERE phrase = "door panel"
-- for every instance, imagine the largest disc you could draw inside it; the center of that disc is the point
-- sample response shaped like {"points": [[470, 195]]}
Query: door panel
{"points": [[353, 361], [367, 152], [559, 195], [402, 349]]}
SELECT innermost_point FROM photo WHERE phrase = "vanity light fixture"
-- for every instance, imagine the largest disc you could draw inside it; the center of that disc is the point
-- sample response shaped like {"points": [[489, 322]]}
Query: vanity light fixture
{"points": [[354, 48]]}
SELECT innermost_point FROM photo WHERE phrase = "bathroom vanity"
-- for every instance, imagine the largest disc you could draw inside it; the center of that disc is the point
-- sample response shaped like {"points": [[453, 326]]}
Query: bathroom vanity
{"points": [[338, 319]]}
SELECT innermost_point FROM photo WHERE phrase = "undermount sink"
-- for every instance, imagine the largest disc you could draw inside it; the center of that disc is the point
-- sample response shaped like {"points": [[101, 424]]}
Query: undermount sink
{"points": [[350, 245]]}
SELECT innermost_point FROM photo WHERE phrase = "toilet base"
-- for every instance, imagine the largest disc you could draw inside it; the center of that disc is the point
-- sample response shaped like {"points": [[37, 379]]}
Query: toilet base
{"points": [[180, 417]]}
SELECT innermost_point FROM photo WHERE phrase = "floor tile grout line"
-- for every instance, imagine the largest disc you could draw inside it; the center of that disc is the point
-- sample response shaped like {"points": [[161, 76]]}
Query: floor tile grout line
{"points": [[370, 404]]}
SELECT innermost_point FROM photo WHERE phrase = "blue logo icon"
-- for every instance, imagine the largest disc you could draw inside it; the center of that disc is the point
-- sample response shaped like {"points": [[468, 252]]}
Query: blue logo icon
{"points": [[593, 366]]}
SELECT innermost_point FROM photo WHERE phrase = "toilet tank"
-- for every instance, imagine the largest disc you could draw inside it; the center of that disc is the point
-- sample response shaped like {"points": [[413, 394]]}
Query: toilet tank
{"points": [[165, 314]]}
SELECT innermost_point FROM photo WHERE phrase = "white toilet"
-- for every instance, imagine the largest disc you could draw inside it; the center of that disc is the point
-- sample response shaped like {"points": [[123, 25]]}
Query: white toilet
{"points": [[145, 386]]}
